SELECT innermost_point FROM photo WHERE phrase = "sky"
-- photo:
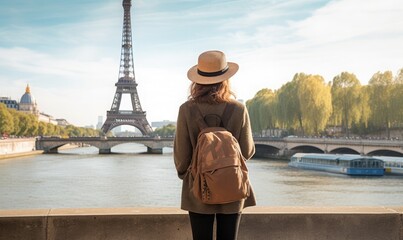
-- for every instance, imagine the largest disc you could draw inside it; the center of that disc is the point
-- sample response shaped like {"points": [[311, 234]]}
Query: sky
{"points": [[69, 51]]}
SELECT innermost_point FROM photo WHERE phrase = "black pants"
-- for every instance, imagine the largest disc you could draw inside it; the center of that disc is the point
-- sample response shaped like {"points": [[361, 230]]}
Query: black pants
{"points": [[202, 226]]}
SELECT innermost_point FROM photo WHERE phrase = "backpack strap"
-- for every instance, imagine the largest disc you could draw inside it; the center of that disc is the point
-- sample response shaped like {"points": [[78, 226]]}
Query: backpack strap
{"points": [[199, 117], [222, 121], [228, 111]]}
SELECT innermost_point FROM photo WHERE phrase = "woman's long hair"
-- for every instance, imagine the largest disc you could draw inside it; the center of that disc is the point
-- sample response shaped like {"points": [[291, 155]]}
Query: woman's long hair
{"points": [[212, 93]]}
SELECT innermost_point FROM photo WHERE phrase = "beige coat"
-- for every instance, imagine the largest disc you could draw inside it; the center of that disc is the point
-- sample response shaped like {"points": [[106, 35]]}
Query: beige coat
{"points": [[187, 131]]}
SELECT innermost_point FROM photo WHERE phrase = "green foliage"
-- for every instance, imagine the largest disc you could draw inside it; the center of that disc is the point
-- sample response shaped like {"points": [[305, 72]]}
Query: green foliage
{"points": [[380, 99], [17, 123], [165, 131], [288, 108], [346, 97], [42, 129], [263, 109], [309, 105], [364, 106], [315, 103], [6, 120], [396, 100]]}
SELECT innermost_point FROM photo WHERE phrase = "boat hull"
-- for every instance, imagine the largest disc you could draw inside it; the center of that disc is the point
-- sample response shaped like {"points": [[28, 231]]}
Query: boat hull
{"points": [[393, 171], [338, 169], [365, 171]]}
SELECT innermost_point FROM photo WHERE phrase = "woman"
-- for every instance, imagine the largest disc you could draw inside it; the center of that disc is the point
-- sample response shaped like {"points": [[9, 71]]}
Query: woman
{"points": [[210, 93]]}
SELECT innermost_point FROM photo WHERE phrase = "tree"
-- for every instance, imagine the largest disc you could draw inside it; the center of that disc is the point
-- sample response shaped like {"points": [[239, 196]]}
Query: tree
{"points": [[254, 115], [23, 123], [42, 129], [396, 100], [346, 96], [262, 110], [315, 103], [381, 85], [268, 107], [295, 100], [165, 131], [303, 104], [364, 106], [16, 121], [288, 108], [6, 120], [399, 77], [32, 126]]}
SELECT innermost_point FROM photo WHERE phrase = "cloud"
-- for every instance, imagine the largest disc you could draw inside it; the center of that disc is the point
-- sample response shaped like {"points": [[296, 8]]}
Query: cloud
{"points": [[38, 63], [349, 19], [72, 65], [64, 88], [340, 36]]}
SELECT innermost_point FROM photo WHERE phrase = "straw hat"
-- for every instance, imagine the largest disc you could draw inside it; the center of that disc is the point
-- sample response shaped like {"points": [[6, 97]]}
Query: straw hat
{"points": [[212, 67]]}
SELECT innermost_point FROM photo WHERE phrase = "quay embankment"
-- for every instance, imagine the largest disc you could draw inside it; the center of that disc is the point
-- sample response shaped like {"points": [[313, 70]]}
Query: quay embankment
{"points": [[20, 147], [17, 147], [21, 154], [280, 223]]}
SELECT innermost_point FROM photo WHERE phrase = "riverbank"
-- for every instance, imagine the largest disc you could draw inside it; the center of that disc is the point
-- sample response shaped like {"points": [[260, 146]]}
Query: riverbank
{"points": [[15, 147], [21, 147], [21, 154]]}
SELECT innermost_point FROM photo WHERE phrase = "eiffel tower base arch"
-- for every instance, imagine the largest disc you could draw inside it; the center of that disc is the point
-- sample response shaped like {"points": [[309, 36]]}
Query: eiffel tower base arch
{"points": [[137, 120]]}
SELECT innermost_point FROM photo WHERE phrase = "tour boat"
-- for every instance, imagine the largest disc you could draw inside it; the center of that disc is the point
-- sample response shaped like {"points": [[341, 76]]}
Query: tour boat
{"points": [[393, 165], [339, 163]]}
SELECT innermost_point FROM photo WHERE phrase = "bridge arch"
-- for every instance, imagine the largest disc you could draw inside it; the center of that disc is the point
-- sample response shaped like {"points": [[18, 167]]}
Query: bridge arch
{"points": [[306, 149], [134, 125], [53, 147], [385, 152], [129, 147], [264, 150], [344, 150]]}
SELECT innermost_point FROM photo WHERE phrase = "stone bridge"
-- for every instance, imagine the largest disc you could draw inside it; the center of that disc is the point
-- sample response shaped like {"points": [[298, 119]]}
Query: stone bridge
{"points": [[104, 144], [290, 145], [265, 146]]}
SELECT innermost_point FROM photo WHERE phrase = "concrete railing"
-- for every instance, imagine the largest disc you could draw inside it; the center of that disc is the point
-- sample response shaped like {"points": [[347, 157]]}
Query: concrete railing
{"points": [[280, 223]]}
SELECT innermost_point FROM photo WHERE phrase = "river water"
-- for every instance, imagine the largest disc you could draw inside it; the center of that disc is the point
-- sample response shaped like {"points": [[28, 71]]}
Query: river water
{"points": [[81, 178]]}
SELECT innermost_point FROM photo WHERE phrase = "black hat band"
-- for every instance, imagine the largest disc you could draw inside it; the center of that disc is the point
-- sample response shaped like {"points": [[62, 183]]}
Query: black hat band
{"points": [[213, 74]]}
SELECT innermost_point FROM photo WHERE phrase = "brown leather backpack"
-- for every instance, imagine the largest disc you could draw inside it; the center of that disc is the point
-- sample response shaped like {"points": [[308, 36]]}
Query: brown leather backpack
{"points": [[218, 167]]}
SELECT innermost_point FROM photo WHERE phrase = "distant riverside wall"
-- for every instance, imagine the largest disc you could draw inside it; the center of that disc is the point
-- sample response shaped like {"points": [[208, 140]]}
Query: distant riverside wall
{"points": [[257, 223], [17, 147]]}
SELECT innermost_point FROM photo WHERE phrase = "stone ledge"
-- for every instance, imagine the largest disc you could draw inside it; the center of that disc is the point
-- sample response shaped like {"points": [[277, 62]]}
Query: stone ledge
{"points": [[21, 154], [288, 223]]}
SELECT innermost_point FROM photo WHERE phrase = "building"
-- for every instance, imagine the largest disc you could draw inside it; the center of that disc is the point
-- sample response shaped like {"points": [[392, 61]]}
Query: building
{"points": [[62, 122], [162, 124], [43, 117], [10, 103], [100, 122], [28, 105]]}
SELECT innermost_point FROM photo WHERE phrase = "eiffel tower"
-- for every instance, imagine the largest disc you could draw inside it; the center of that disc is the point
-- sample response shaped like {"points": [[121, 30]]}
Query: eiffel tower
{"points": [[126, 85]]}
